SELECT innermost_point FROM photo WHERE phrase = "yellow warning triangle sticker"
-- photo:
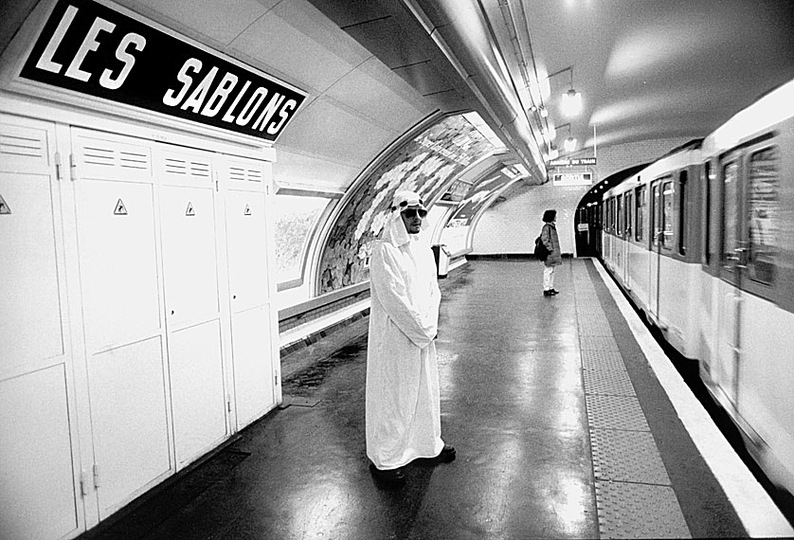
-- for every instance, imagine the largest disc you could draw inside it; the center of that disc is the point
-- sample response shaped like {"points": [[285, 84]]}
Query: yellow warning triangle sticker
{"points": [[247, 211], [189, 210], [4, 208], [120, 210]]}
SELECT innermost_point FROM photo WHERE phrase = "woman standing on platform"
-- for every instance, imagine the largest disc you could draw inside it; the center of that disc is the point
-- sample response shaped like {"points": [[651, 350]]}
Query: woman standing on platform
{"points": [[552, 242]]}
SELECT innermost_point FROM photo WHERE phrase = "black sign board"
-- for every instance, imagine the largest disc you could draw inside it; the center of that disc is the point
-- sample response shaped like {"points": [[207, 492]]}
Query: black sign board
{"points": [[92, 49], [572, 162]]}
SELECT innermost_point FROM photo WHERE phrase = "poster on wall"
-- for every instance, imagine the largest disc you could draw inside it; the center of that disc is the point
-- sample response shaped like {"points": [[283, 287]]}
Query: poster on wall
{"points": [[95, 50]]}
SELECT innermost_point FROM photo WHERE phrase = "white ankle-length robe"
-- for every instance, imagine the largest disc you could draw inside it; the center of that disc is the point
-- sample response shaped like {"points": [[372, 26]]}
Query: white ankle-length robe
{"points": [[403, 404]]}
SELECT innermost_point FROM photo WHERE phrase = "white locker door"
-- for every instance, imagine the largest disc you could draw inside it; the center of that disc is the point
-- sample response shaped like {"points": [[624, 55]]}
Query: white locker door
{"points": [[116, 229], [192, 301], [38, 484], [249, 289]]}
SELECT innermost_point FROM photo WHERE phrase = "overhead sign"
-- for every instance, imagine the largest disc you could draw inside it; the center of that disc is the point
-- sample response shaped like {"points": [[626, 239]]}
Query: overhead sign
{"points": [[572, 179], [572, 162], [90, 48]]}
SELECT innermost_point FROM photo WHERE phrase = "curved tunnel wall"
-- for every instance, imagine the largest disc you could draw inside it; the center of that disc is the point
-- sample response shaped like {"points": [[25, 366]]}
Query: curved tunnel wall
{"points": [[424, 164]]}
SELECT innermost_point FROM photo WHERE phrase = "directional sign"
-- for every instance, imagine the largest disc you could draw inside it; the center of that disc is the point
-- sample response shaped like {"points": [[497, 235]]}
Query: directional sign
{"points": [[572, 162]]}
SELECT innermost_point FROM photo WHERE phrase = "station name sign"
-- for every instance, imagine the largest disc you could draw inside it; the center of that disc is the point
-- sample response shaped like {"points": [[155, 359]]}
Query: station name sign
{"points": [[92, 49], [572, 162]]}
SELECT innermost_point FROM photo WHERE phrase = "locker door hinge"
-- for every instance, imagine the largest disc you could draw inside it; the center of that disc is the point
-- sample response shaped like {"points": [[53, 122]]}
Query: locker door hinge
{"points": [[217, 184], [228, 403], [58, 166], [275, 379], [72, 168], [96, 475], [83, 484]]}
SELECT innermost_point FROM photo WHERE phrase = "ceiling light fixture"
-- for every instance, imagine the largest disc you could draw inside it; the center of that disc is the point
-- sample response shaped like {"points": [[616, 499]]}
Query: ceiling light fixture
{"points": [[570, 143], [571, 100]]}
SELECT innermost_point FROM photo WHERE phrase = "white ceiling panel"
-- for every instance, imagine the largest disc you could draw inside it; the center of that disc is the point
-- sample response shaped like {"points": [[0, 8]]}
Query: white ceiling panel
{"points": [[378, 93], [295, 169], [297, 40], [328, 128], [220, 20]]}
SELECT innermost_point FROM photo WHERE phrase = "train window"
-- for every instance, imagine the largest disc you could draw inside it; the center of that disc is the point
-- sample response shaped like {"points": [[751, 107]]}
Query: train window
{"points": [[656, 214], [763, 187], [612, 215], [627, 214], [667, 214], [639, 219], [682, 213], [730, 212], [619, 215], [707, 178]]}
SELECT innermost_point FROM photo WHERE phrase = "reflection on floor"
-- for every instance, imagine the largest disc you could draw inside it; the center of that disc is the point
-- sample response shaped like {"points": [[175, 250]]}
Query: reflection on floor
{"points": [[513, 404]]}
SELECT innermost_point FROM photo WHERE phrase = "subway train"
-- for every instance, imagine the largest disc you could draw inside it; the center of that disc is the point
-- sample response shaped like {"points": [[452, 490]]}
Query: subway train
{"points": [[702, 240]]}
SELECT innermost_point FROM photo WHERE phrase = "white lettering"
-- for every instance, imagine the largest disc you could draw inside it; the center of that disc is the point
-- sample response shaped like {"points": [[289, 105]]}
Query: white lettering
{"points": [[197, 97], [284, 114], [268, 111], [228, 116], [251, 107], [139, 42], [169, 98], [89, 44], [218, 98], [45, 61]]}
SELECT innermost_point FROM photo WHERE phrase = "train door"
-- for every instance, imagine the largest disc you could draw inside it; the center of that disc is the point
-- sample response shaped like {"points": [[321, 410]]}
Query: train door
{"points": [[654, 262], [748, 268], [725, 371]]}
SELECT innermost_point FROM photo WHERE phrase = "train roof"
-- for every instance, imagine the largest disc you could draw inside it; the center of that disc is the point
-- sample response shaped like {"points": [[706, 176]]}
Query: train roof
{"points": [[770, 110]]}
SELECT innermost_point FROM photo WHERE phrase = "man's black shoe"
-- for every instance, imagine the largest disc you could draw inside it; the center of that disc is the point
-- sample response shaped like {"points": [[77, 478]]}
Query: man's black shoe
{"points": [[553, 292], [447, 454], [392, 476], [547, 293]]}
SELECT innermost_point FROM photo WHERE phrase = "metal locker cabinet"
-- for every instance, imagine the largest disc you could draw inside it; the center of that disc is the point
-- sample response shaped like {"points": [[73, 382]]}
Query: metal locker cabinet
{"points": [[249, 288], [190, 269], [38, 497], [116, 230]]}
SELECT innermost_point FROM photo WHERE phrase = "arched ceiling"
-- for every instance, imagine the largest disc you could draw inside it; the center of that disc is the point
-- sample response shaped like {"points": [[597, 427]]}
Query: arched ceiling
{"points": [[375, 69]]}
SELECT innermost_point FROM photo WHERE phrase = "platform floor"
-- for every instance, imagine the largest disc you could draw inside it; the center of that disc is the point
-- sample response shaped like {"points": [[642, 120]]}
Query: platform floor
{"points": [[561, 427]]}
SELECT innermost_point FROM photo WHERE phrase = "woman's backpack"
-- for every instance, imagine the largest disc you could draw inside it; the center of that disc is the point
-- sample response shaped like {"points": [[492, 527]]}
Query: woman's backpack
{"points": [[541, 251]]}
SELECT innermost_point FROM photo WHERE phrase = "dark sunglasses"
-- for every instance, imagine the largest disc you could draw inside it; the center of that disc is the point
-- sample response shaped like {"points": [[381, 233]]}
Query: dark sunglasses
{"points": [[411, 213]]}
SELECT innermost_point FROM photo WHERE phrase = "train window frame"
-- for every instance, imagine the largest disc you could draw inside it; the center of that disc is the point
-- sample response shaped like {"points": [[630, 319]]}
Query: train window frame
{"points": [[707, 177], [640, 206], [683, 180], [627, 205], [751, 267], [732, 160], [619, 216], [612, 215], [668, 212], [654, 199]]}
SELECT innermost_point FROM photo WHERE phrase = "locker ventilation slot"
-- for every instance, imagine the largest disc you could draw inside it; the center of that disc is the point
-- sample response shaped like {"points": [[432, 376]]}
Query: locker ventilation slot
{"points": [[241, 174], [21, 146], [183, 168], [99, 156], [110, 157], [130, 160], [175, 166], [201, 170]]}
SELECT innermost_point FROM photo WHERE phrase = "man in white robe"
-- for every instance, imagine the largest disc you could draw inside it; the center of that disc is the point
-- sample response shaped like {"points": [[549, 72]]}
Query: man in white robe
{"points": [[403, 405]]}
